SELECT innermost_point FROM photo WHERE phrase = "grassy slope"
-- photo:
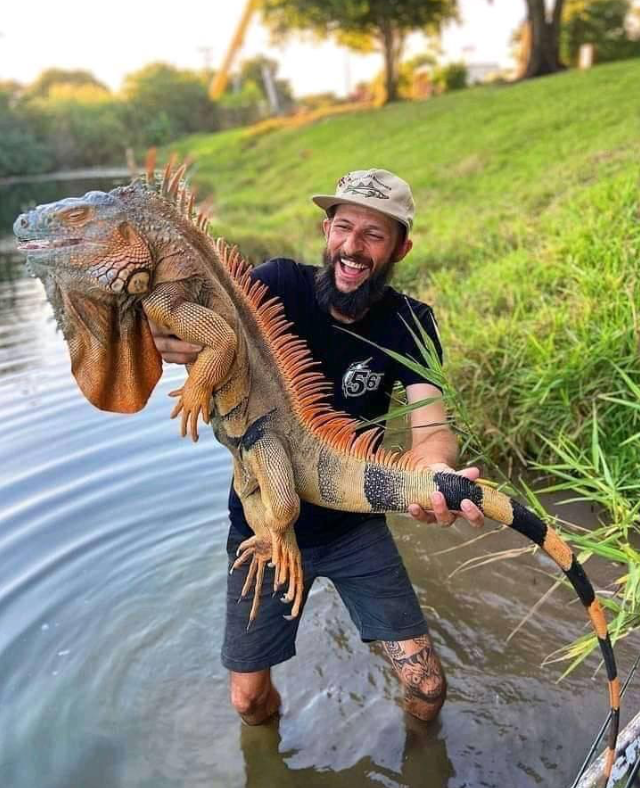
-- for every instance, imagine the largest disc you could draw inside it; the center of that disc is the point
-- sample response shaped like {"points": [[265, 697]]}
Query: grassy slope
{"points": [[526, 239]]}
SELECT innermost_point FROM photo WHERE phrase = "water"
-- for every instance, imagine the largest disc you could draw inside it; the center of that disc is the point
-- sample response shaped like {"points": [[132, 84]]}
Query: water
{"points": [[112, 533]]}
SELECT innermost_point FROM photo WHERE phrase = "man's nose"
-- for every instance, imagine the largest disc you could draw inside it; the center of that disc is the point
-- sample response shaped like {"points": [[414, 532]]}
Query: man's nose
{"points": [[352, 244]]}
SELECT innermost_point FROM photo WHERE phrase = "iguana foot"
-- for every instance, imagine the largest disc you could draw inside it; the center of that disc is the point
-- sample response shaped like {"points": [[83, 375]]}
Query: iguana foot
{"points": [[258, 549], [194, 400], [288, 562]]}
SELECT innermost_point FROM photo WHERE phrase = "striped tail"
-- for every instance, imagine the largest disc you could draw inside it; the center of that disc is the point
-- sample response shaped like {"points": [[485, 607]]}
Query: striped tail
{"points": [[505, 510]]}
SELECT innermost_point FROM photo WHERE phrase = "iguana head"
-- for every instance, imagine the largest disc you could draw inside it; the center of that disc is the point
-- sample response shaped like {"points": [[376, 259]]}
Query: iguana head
{"points": [[96, 266]]}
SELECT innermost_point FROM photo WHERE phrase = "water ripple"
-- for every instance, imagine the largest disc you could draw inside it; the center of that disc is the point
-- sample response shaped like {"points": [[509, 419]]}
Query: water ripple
{"points": [[112, 549]]}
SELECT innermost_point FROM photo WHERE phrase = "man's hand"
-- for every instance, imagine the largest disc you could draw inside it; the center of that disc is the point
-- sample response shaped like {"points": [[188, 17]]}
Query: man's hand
{"points": [[172, 348], [441, 513]]}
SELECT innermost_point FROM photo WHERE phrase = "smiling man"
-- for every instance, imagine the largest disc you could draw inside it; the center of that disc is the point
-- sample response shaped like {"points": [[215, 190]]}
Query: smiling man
{"points": [[346, 310]]}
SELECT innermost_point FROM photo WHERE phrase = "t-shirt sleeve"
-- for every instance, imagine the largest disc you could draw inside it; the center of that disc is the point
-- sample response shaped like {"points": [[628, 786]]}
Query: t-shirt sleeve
{"points": [[407, 344]]}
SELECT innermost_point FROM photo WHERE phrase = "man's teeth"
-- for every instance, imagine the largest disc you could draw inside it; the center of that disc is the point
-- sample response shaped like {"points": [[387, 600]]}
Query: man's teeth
{"points": [[352, 264]]}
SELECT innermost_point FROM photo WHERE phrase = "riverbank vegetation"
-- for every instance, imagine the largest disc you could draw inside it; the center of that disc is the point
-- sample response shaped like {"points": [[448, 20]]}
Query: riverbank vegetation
{"points": [[68, 119], [527, 243]]}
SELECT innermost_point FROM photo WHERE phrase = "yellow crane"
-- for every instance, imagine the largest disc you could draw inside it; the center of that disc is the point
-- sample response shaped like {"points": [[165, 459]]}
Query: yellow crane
{"points": [[219, 82]]}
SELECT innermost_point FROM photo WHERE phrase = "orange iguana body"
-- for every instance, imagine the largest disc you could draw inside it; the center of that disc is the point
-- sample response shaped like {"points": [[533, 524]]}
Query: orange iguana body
{"points": [[104, 257]]}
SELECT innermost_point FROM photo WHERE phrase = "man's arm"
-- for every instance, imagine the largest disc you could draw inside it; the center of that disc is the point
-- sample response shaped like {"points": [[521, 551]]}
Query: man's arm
{"points": [[435, 445], [171, 348], [432, 439]]}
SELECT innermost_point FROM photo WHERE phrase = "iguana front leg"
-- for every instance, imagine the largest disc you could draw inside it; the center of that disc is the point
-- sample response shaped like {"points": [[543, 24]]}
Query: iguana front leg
{"points": [[270, 464], [168, 306]]}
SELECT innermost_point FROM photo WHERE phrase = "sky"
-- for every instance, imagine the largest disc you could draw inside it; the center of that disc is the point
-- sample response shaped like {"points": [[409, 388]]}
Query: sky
{"points": [[125, 35]]}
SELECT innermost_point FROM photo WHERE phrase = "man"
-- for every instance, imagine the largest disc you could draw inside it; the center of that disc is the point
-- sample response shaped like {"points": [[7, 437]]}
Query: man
{"points": [[367, 226]]}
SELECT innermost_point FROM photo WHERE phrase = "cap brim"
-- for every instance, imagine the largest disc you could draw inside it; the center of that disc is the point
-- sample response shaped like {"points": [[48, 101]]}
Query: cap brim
{"points": [[326, 201]]}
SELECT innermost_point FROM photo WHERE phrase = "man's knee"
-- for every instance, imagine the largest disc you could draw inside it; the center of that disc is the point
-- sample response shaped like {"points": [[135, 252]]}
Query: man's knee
{"points": [[420, 671], [424, 699], [254, 697]]}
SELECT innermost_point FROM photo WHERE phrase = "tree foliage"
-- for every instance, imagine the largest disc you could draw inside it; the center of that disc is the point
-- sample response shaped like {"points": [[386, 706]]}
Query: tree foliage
{"points": [[252, 70], [54, 77], [21, 151], [601, 23], [555, 30], [163, 102], [80, 130], [361, 24]]}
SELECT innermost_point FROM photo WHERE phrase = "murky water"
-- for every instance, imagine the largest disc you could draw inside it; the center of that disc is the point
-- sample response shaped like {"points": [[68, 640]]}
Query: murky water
{"points": [[112, 533]]}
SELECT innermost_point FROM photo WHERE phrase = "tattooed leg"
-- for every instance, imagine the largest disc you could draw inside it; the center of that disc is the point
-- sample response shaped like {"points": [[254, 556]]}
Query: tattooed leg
{"points": [[419, 669]]}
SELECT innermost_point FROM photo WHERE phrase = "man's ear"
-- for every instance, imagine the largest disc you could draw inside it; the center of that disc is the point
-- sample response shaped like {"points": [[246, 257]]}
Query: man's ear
{"points": [[403, 249], [326, 226]]}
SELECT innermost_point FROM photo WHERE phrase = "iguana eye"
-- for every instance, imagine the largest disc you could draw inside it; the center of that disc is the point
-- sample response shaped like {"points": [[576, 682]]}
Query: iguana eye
{"points": [[75, 214]]}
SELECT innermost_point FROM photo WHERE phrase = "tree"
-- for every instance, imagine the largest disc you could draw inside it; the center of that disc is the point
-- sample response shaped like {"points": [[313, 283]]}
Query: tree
{"points": [[21, 152], [253, 70], [542, 38], [164, 102], [601, 23], [361, 24], [54, 77]]}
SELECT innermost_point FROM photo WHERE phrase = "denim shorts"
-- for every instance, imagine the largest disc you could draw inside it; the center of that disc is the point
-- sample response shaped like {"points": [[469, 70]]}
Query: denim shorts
{"points": [[367, 571]]}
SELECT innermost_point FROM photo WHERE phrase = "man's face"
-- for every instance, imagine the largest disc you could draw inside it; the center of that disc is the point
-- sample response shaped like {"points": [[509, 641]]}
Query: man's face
{"points": [[360, 243]]}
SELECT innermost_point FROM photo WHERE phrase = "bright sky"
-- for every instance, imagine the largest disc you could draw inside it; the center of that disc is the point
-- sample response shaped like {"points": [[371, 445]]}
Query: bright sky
{"points": [[112, 39]]}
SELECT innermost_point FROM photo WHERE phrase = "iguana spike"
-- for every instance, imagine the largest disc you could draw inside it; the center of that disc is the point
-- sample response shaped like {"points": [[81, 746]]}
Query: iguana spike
{"points": [[150, 168], [312, 398], [364, 441], [191, 202], [164, 183], [174, 183], [201, 219]]}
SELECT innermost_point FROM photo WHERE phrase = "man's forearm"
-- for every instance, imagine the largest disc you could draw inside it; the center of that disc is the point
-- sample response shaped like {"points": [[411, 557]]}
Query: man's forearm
{"points": [[436, 448]]}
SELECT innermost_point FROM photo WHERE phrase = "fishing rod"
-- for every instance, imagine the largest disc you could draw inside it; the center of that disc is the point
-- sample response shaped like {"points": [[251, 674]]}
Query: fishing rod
{"points": [[600, 734]]}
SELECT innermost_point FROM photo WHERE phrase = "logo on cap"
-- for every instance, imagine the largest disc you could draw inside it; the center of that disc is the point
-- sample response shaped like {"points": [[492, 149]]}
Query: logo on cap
{"points": [[367, 186]]}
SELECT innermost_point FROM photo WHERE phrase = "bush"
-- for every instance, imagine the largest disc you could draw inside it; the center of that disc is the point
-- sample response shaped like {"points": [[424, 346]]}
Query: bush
{"points": [[80, 132], [453, 76], [21, 151], [162, 103]]}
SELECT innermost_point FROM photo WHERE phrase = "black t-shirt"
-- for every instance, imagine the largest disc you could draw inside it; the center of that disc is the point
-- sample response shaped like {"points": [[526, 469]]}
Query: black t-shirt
{"points": [[362, 374]]}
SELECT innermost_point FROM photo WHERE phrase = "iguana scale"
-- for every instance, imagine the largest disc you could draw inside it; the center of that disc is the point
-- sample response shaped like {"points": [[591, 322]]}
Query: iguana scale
{"points": [[105, 256]]}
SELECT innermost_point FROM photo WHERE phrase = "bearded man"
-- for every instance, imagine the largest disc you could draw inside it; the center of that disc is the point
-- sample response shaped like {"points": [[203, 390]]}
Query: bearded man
{"points": [[367, 227]]}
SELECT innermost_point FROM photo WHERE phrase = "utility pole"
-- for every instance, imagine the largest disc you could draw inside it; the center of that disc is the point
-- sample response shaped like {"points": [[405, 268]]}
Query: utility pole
{"points": [[207, 57]]}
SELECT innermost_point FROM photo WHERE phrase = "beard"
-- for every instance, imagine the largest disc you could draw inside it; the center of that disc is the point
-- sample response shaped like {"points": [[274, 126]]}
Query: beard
{"points": [[354, 304]]}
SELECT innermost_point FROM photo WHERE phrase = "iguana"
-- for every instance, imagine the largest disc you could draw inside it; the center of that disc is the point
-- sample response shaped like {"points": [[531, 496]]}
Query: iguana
{"points": [[105, 256]]}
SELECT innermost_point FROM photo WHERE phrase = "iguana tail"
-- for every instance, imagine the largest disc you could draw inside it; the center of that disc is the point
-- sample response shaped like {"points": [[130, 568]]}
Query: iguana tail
{"points": [[505, 510]]}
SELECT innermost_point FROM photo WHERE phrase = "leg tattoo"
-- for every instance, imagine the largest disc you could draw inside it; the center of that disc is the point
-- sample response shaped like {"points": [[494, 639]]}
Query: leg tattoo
{"points": [[419, 670]]}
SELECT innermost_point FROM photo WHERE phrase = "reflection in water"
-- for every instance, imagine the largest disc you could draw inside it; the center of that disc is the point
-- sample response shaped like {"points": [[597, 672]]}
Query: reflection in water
{"points": [[112, 537], [409, 754]]}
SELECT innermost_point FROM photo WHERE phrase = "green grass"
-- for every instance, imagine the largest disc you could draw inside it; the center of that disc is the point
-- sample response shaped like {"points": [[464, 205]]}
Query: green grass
{"points": [[527, 243], [526, 239]]}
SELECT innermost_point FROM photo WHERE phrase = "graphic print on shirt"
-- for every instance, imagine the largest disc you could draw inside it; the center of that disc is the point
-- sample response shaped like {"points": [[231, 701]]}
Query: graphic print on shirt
{"points": [[359, 379]]}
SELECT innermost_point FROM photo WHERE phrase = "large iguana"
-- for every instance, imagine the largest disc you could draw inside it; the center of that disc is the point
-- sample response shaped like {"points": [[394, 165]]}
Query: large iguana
{"points": [[105, 256]]}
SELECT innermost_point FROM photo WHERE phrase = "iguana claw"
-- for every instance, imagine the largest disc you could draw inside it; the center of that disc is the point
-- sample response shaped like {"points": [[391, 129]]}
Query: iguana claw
{"points": [[283, 553], [194, 400], [259, 551], [288, 561]]}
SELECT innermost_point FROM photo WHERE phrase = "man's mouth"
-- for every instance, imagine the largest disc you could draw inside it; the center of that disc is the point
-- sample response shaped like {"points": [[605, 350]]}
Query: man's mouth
{"points": [[352, 270]]}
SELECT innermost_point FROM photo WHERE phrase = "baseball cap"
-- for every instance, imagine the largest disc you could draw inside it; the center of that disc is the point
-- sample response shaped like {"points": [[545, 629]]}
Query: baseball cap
{"points": [[378, 189]]}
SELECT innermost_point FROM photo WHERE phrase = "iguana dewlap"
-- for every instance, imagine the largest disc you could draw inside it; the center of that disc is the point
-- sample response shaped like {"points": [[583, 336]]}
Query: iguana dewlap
{"points": [[104, 257]]}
